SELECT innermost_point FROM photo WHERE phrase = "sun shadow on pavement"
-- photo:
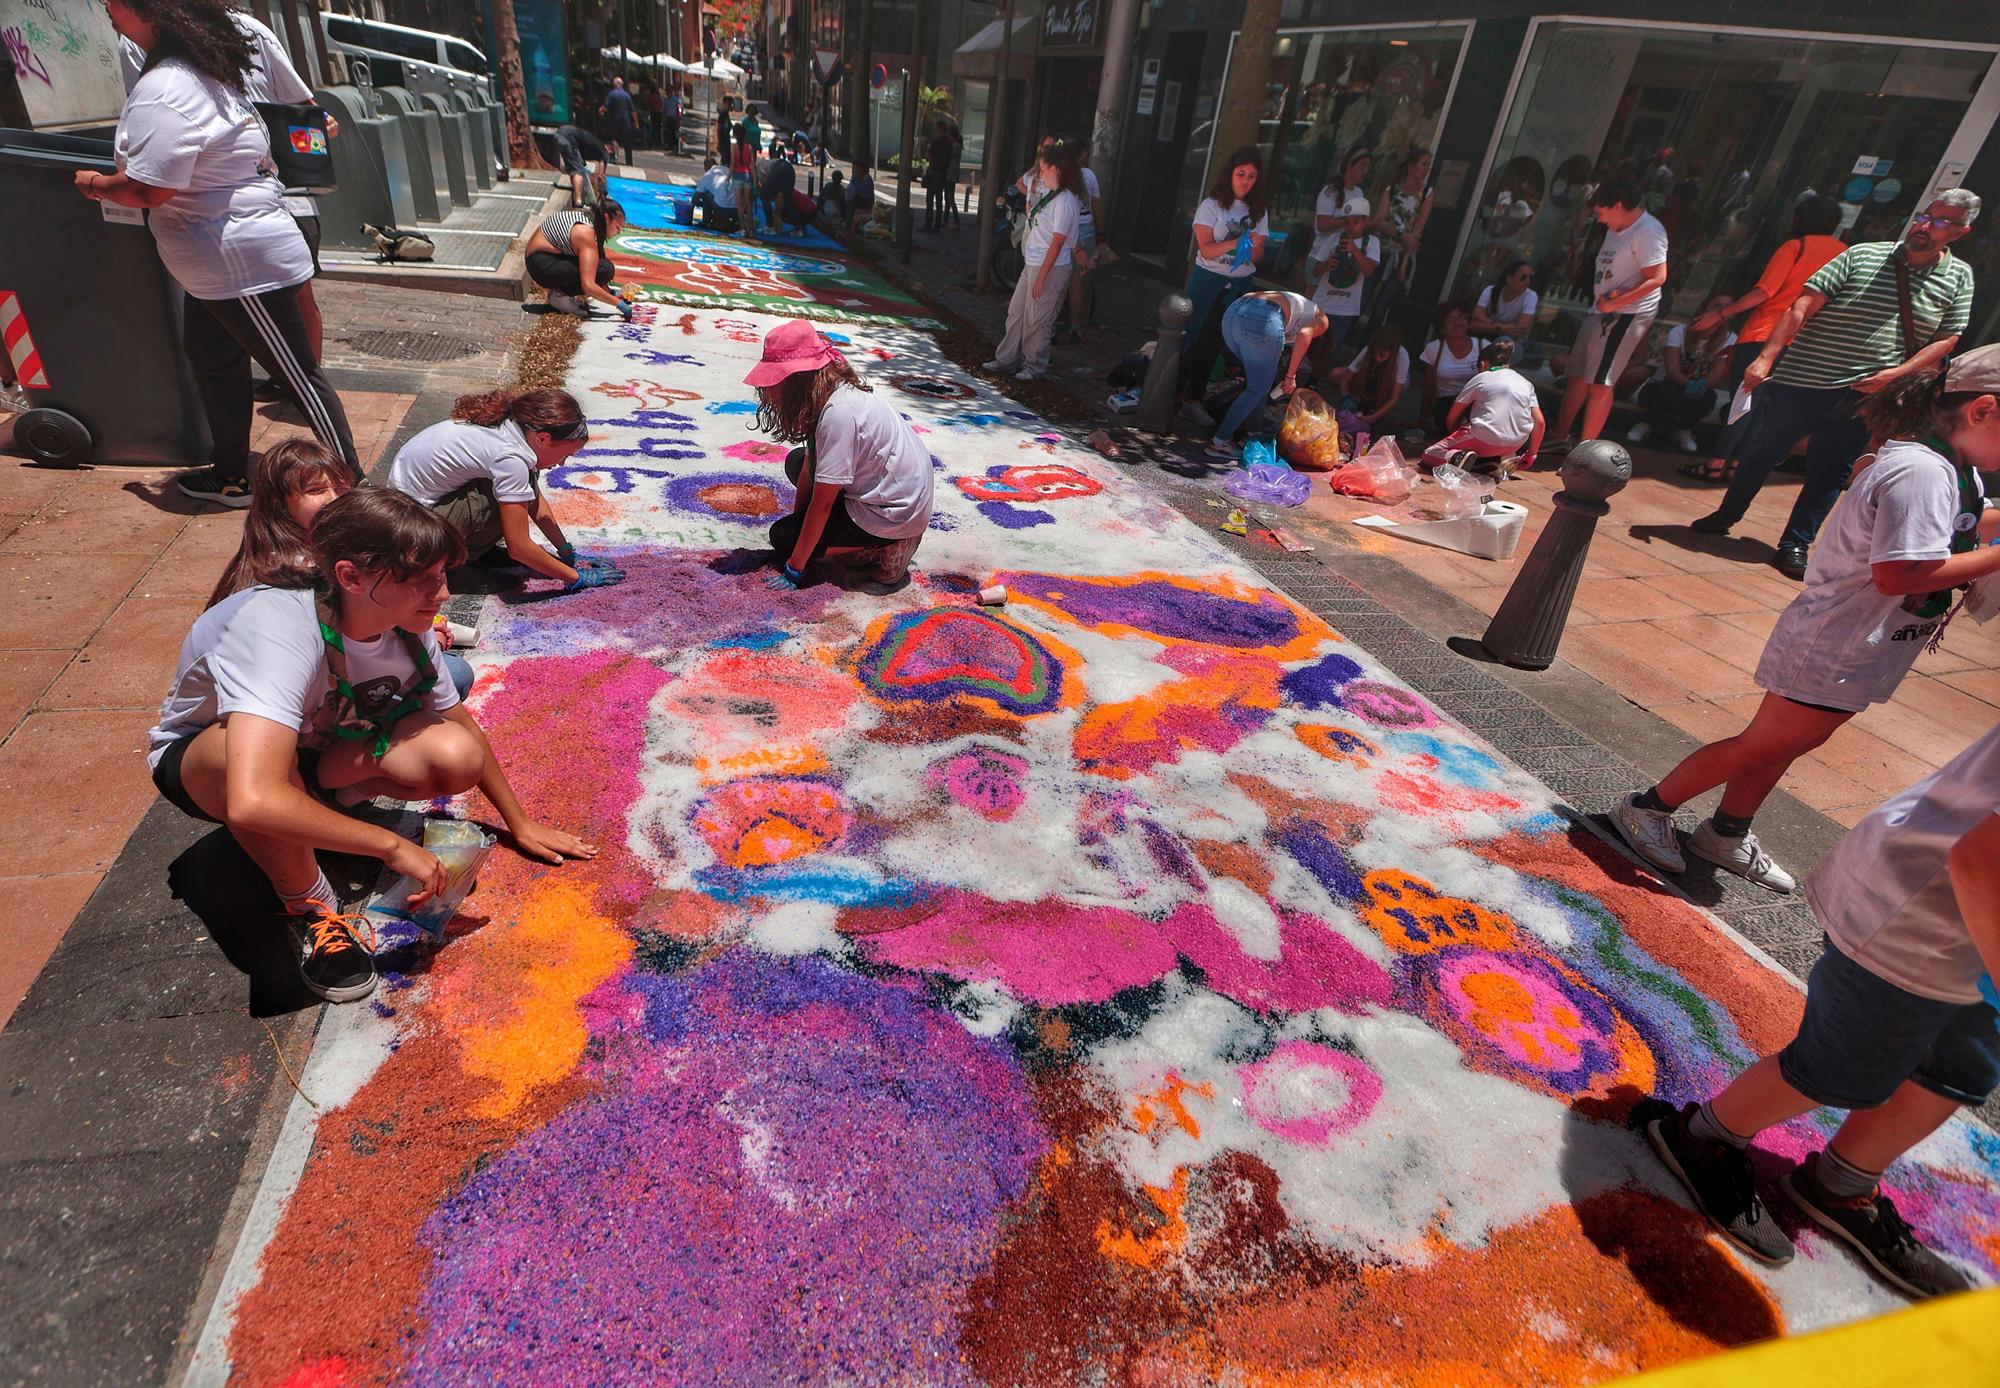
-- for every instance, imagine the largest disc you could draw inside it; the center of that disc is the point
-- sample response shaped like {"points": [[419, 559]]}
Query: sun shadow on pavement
{"points": [[1741, 548]]}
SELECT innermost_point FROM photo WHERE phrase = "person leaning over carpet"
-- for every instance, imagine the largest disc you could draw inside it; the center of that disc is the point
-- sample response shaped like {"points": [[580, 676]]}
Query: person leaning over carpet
{"points": [[481, 468], [863, 478], [569, 255], [325, 687], [576, 149]]}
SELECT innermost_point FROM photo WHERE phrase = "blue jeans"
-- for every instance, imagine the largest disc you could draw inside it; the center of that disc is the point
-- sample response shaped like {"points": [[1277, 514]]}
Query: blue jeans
{"points": [[1779, 416], [1212, 295], [1730, 440], [1254, 329], [459, 670]]}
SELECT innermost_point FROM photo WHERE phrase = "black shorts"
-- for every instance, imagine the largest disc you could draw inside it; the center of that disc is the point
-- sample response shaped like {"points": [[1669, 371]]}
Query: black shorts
{"points": [[842, 530], [167, 777], [309, 228]]}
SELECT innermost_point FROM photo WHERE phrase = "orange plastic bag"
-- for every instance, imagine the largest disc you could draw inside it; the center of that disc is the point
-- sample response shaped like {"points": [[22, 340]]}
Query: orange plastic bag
{"points": [[1309, 439], [1380, 474]]}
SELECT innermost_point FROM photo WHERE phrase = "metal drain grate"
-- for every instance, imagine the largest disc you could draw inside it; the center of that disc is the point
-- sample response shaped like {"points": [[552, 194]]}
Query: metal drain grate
{"points": [[409, 346]]}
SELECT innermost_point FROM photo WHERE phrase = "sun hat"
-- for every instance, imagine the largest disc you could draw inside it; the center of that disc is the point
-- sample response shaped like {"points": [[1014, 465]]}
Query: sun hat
{"points": [[1976, 371], [790, 347]]}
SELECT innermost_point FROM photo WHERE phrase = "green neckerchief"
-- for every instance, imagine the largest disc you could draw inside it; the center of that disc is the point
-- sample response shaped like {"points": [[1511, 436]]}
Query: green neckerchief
{"points": [[1964, 539], [348, 720]]}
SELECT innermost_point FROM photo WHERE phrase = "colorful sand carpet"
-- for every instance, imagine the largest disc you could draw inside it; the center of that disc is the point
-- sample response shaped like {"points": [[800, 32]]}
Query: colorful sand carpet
{"points": [[704, 271], [1131, 983], [669, 207]]}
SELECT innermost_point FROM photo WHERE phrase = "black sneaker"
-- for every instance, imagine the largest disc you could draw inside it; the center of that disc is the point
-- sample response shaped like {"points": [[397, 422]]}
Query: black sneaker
{"points": [[332, 960], [266, 391], [1872, 1227], [1714, 523], [213, 484], [1791, 561], [1717, 1178]]}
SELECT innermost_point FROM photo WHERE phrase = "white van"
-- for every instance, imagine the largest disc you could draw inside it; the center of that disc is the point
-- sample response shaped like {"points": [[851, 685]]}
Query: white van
{"points": [[430, 62]]}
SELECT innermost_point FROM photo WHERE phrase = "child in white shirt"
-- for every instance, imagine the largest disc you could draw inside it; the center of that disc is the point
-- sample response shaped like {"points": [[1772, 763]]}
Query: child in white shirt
{"points": [[1495, 416]]}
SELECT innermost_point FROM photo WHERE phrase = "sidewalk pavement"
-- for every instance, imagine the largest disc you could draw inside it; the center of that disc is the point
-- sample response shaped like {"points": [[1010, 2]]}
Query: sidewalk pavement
{"points": [[102, 570]]}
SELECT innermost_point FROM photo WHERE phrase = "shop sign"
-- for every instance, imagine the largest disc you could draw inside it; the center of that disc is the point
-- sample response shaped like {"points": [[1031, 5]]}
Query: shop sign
{"points": [[1070, 23]]}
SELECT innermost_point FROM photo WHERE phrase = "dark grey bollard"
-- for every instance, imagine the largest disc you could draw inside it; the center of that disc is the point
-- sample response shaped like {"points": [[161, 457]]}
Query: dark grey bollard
{"points": [[1528, 627], [1157, 400]]}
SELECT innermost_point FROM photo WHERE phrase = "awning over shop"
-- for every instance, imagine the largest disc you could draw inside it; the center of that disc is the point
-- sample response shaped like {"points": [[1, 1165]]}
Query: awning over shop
{"points": [[979, 56]]}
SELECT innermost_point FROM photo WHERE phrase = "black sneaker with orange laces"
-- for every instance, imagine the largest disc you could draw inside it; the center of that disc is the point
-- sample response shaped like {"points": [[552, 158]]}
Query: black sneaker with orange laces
{"points": [[332, 960]]}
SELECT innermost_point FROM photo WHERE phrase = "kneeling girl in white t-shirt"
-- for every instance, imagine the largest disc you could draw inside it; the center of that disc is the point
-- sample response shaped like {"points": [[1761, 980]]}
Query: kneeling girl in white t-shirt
{"points": [[863, 477], [1495, 416], [481, 470], [335, 688]]}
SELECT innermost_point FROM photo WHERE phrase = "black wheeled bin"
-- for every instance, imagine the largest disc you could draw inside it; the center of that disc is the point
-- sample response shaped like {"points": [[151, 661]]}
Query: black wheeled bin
{"points": [[92, 315]]}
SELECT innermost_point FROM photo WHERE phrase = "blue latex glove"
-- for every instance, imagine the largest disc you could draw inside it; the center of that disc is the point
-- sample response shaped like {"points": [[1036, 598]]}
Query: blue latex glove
{"points": [[786, 579], [1989, 992], [1243, 246], [576, 560], [625, 309], [605, 577]]}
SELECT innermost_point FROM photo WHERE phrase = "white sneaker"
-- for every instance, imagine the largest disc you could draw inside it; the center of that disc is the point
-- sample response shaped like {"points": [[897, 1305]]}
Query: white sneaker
{"points": [[1745, 857], [1195, 414], [1650, 832], [1027, 373], [993, 365], [1684, 440], [1639, 433], [567, 303]]}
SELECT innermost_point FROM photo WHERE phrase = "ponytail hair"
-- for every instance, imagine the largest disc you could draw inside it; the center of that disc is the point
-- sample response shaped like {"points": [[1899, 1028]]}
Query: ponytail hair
{"points": [[383, 533], [275, 550], [1911, 405], [602, 213], [550, 410]]}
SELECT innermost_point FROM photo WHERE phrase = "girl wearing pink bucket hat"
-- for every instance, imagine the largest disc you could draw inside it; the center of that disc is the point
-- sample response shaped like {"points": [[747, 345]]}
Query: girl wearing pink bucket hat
{"points": [[863, 478]]}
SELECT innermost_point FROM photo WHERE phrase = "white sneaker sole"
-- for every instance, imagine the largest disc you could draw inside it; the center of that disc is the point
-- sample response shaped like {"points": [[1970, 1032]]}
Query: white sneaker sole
{"points": [[1727, 865], [234, 503], [1617, 818]]}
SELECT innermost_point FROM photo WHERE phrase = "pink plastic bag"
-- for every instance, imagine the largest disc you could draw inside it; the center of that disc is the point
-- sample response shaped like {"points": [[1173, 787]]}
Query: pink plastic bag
{"points": [[1380, 474]]}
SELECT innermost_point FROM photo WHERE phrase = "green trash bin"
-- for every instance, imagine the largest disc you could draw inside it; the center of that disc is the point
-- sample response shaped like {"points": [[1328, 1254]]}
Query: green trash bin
{"points": [[89, 316]]}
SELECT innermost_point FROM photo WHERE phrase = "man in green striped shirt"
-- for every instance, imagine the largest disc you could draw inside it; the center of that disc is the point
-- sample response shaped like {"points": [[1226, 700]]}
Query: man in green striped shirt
{"points": [[1844, 338]]}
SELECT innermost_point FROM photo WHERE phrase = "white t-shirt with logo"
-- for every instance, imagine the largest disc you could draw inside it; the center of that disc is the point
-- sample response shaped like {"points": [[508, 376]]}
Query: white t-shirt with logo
{"points": [[1510, 310], [1360, 365], [1624, 258], [864, 447], [1884, 895], [1223, 224], [225, 233], [1048, 220], [444, 457], [1342, 301], [1843, 643], [1501, 407], [1331, 200], [1453, 372], [260, 652]]}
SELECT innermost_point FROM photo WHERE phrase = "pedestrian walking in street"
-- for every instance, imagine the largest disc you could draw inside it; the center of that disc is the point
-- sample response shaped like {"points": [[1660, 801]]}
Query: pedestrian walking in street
{"points": [[1494, 416], [937, 172], [1875, 314], [1046, 251], [1373, 383], [619, 120], [862, 477], [1900, 1030], [1450, 359], [656, 110], [953, 178], [1230, 230], [670, 118], [1341, 263], [569, 256], [1090, 213], [1631, 268], [743, 183], [1915, 527], [1812, 243], [577, 149], [750, 132], [1507, 307], [1694, 366], [724, 131], [192, 150], [328, 689], [1259, 328], [481, 470]]}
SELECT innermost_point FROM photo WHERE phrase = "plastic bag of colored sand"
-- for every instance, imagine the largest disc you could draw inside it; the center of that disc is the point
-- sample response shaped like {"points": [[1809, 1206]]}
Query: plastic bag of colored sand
{"points": [[1268, 485], [1258, 452], [461, 846], [1380, 474]]}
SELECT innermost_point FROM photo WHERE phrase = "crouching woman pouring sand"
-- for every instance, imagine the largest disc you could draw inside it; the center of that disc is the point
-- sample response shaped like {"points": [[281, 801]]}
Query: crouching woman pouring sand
{"points": [[863, 477]]}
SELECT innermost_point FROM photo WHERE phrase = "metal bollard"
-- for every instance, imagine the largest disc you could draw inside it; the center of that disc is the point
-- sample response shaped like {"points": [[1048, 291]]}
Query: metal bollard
{"points": [[1158, 399], [1528, 626]]}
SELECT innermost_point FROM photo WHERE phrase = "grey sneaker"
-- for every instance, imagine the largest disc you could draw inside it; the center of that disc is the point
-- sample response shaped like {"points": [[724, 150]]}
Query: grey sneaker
{"points": [[1872, 1228], [1650, 832], [567, 303], [1195, 414], [1718, 1179], [1745, 857]]}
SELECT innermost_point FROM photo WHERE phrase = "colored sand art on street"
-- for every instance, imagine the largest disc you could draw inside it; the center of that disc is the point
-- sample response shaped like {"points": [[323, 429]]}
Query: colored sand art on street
{"points": [[780, 275], [1133, 982], [663, 206]]}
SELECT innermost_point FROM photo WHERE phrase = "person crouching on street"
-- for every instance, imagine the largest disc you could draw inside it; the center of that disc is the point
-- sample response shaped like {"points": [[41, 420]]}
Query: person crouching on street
{"points": [[1496, 415], [1260, 328], [862, 476], [481, 470], [1054, 207], [570, 256], [1899, 1029], [328, 687]]}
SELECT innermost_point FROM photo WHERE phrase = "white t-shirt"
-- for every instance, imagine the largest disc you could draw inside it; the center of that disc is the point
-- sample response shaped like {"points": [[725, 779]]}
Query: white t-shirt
{"points": [[864, 447], [1224, 223], [1360, 364], [1342, 301], [225, 234], [1624, 257], [1843, 643], [1092, 191], [1046, 221], [1501, 408], [260, 652], [1331, 200], [444, 457], [1453, 372], [1884, 894], [1696, 367], [1510, 310]]}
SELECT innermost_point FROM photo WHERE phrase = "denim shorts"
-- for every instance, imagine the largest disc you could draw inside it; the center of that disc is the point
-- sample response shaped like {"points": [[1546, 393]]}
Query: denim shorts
{"points": [[1862, 1036]]}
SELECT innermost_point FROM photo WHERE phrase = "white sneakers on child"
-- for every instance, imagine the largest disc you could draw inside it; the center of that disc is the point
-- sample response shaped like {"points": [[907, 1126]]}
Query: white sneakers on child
{"points": [[1639, 432], [1685, 441], [1745, 857], [1651, 834]]}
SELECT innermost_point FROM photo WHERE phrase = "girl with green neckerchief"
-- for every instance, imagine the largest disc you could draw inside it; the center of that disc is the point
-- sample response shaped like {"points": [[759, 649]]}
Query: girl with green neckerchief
{"points": [[1913, 529]]}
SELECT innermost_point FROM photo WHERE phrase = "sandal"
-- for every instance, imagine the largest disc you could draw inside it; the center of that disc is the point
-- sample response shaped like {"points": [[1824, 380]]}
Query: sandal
{"points": [[1703, 472]]}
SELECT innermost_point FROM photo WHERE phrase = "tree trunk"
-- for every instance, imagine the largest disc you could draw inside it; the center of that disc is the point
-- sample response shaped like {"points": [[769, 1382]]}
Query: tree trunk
{"points": [[521, 153], [1239, 113]]}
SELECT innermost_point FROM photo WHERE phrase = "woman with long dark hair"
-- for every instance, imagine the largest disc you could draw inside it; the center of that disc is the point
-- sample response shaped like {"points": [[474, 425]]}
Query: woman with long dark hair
{"points": [[193, 151], [570, 256], [1402, 211], [1507, 307], [1230, 230]]}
